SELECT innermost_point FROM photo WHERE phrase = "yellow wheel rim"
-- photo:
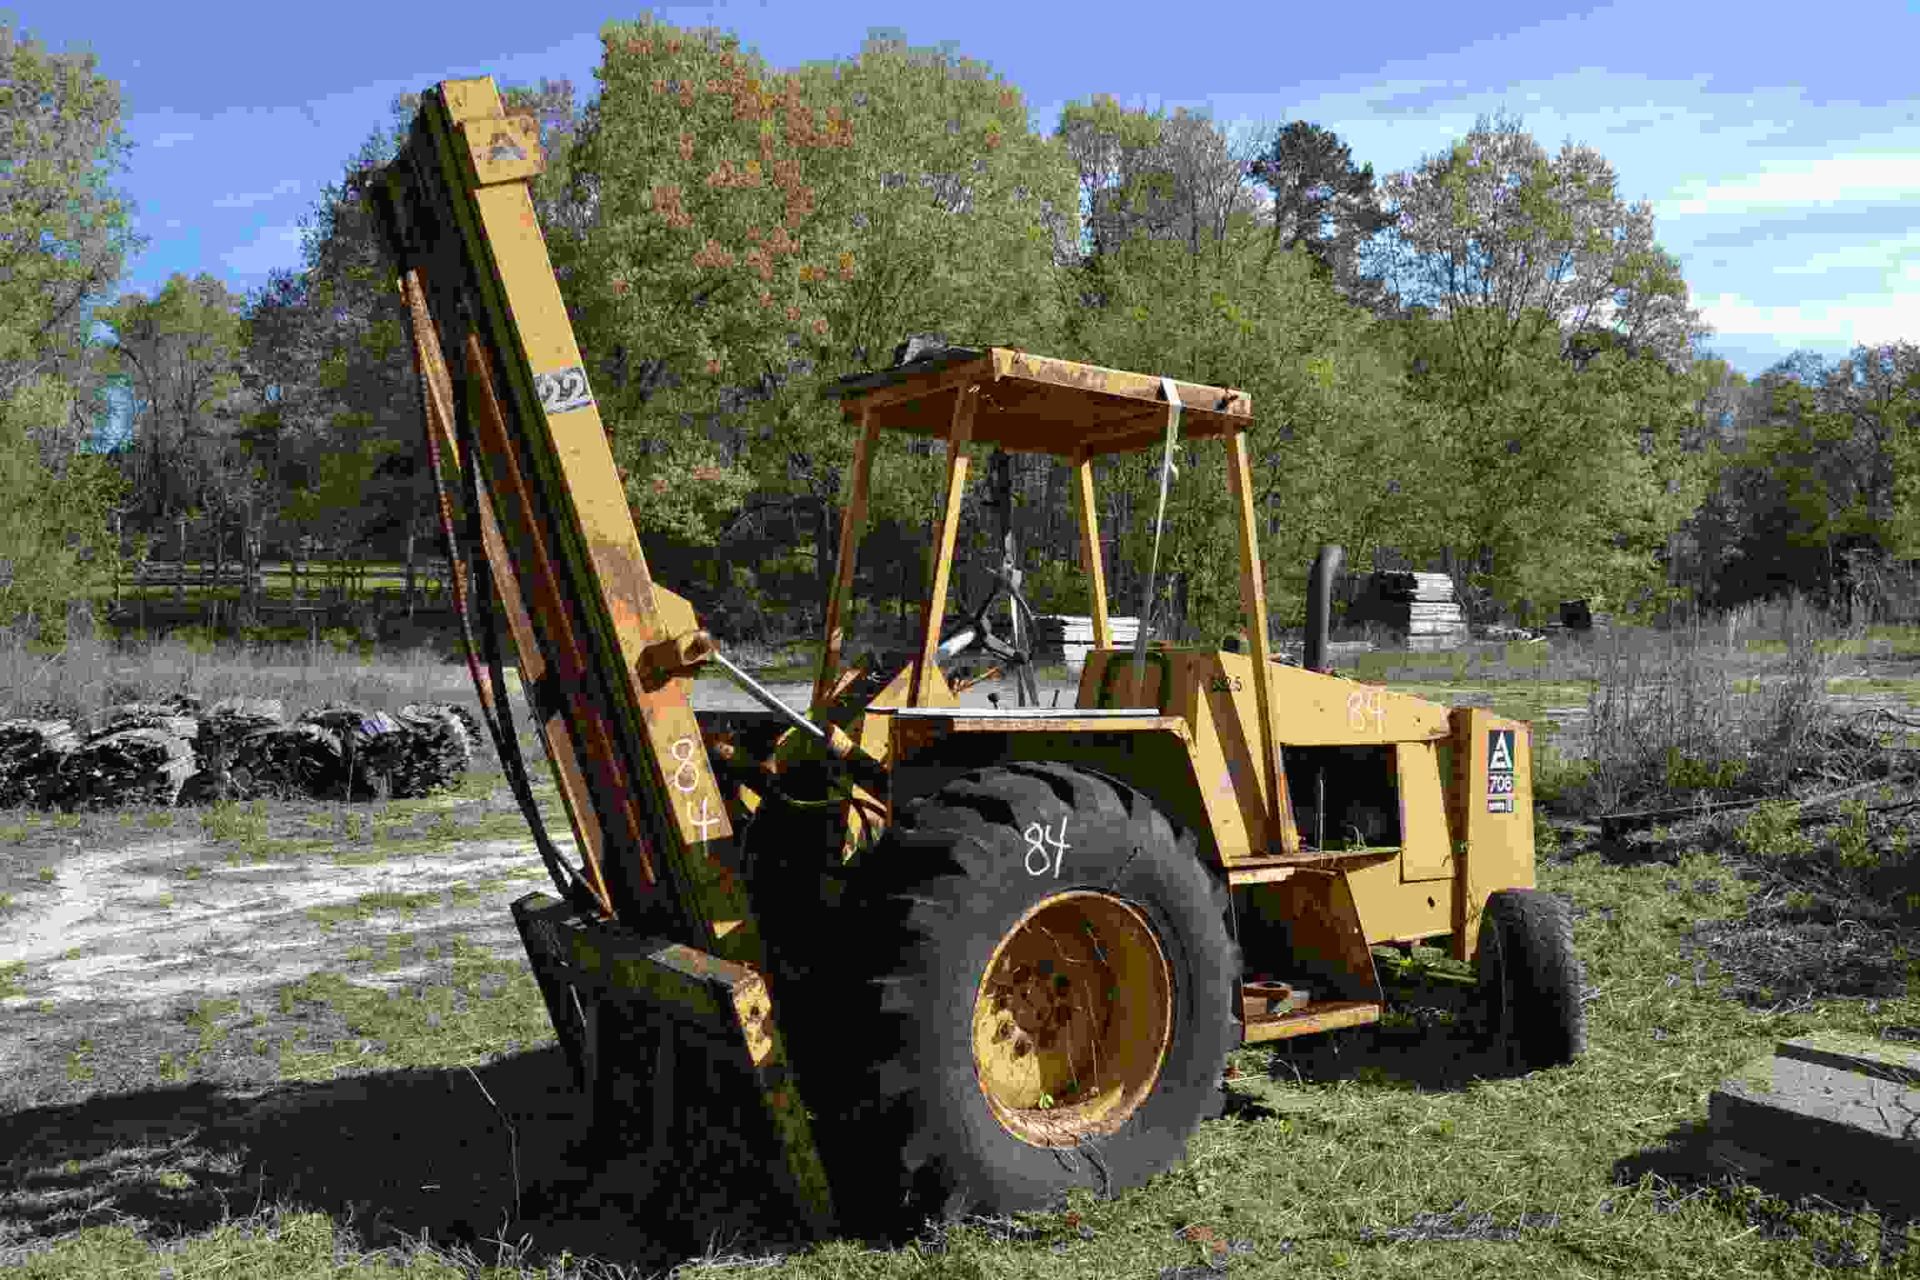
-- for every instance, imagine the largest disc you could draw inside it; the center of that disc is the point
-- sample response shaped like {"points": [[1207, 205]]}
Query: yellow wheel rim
{"points": [[1072, 1018]]}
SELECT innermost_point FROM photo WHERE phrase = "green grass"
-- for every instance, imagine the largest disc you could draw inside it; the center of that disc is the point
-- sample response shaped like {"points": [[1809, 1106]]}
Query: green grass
{"points": [[1339, 1171], [474, 1006], [367, 904]]}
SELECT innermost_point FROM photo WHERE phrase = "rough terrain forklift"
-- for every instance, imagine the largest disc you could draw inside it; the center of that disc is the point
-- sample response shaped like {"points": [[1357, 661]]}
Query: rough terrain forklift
{"points": [[953, 957]]}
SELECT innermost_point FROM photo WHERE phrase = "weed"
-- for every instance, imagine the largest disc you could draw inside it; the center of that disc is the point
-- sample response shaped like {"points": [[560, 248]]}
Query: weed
{"points": [[360, 857], [47, 875], [158, 820], [6, 902], [80, 1064], [11, 974], [1772, 830], [380, 900], [1853, 840]]}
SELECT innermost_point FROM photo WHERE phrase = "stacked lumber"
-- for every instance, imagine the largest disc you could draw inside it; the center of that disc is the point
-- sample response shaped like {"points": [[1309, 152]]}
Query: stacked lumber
{"points": [[1421, 607], [31, 752], [369, 744], [175, 716], [1067, 637], [140, 764], [436, 750], [174, 753], [287, 760]]}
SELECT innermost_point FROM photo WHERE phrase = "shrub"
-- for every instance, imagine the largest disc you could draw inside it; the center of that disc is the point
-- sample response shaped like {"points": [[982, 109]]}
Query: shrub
{"points": [[1772, 830]]}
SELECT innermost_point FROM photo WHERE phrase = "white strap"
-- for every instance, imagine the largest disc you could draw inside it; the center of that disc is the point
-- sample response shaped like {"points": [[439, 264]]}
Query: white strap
{"points": [[1167, 473]]}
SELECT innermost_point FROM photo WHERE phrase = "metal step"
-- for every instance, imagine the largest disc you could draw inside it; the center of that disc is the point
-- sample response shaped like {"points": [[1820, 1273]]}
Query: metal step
{"points": [[1828, 1114], [1306, 1019]]}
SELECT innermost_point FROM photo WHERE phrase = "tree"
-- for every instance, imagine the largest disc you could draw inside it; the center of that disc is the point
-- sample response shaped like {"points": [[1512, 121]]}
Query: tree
{"points": [[63, 227], [1505, 243], [1337, 446], [1818, 495], [1167, 177], [750, 233], [55, 546], [63, 236], [1322, 202], [1553, 334], [180, 347]]}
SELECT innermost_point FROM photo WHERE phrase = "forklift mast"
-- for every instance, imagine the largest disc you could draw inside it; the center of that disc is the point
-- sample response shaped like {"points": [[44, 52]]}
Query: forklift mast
{"points": [[605, 656]]}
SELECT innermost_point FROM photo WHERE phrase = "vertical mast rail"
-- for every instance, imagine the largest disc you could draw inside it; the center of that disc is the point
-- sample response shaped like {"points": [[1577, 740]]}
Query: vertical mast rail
{"points": [[627, 754]]}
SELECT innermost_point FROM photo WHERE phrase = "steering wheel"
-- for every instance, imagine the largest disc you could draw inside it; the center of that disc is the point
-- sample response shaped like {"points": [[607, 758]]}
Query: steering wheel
{"points": [[974, 632]]}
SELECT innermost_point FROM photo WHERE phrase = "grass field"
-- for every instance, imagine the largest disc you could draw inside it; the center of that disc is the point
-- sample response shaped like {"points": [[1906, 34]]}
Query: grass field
{"points": [[300, 1039]]}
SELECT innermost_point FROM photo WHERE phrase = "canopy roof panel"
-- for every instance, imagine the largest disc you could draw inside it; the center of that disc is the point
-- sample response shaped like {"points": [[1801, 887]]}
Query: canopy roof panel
{"points": [[1034, 404]]}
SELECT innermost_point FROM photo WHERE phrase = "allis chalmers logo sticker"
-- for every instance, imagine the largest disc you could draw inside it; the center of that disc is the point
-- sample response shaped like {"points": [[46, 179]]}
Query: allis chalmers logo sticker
{"points": [[1500, 771]]}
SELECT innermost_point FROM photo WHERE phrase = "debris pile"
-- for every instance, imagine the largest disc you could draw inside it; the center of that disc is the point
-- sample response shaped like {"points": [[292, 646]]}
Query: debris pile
{"points": [[175, 752], [30, 755]]}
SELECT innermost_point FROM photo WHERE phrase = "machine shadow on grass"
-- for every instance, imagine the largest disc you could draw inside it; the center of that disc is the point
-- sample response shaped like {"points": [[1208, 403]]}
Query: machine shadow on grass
{"points": [[1430, 1054], [393, 1157]]}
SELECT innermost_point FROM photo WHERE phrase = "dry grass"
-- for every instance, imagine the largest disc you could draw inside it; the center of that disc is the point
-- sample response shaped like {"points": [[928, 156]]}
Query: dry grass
{"points": [[92, 673]]}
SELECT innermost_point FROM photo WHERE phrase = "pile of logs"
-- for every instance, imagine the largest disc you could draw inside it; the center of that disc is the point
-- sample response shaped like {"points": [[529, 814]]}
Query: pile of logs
{"points": [[174, 752]]}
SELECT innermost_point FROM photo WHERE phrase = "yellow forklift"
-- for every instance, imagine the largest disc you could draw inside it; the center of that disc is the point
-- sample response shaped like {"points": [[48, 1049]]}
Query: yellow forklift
{"points": [[957, 958]]}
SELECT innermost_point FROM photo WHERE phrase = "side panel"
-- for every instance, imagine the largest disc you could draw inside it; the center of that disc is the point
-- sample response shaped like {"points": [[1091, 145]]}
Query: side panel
{"points": [[1493, 808], [1396, 910], [1218, 708], [1426, 851]]}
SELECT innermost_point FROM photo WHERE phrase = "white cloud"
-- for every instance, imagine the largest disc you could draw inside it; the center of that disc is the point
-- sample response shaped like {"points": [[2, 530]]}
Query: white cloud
{"points": [[1842, 322], [1850, 178], [273, 246], [169, 139], [246, 200], [1899, 257]]}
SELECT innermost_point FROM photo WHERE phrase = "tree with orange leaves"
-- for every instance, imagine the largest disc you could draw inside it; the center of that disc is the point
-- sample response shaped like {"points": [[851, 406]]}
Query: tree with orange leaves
{"points": [[754, 232]]}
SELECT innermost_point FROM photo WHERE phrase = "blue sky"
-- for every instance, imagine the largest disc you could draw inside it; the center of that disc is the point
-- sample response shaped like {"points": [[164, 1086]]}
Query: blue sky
{"points": [[1779, 144]]}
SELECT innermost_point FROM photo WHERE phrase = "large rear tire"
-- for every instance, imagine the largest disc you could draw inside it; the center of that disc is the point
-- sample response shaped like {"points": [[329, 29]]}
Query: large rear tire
{"points": [[1042, 987], [1531, 986]]}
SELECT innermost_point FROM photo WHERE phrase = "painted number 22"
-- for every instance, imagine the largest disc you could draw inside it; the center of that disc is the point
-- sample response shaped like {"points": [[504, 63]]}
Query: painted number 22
{"points": [[1041, 839]]}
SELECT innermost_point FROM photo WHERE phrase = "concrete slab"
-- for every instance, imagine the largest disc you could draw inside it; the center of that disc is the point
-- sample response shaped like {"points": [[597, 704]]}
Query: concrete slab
{"points": [[1829, 1114]]}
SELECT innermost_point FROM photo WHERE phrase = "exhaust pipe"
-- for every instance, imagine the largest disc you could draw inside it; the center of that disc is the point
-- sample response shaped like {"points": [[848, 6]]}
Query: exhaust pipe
{"points": [[1320, 606]]}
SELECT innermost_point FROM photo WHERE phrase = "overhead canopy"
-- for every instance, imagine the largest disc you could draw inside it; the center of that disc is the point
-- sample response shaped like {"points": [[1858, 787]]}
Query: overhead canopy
{"points": [[1033, 404]]}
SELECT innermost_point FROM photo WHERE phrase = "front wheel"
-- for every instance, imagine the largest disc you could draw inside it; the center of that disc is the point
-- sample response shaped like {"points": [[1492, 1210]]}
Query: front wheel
{"points": [[1043, 997], [1531, 985]]}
